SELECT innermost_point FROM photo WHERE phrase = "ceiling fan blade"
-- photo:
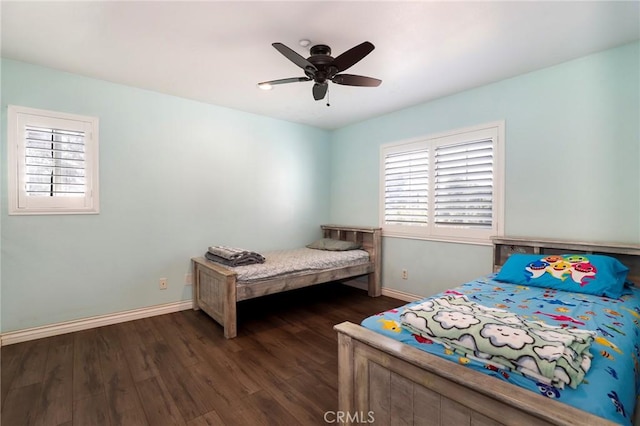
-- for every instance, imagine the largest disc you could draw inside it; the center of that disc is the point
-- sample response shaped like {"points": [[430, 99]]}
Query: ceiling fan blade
{"points": [[320, 90], [356, 80], [352, 56], [284, 81], [294, 57]]}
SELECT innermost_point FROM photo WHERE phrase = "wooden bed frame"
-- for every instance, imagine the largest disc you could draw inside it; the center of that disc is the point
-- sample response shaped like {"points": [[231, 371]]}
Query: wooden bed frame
{"points": [[399, 384], [217, 292]]}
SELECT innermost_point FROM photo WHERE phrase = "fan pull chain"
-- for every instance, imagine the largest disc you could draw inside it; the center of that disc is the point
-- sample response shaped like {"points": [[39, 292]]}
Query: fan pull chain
{"points": [[328, 104]]}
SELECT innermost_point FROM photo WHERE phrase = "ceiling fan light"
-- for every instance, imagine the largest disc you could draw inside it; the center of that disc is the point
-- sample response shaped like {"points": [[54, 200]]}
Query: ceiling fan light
{"points": [[265, 86]]}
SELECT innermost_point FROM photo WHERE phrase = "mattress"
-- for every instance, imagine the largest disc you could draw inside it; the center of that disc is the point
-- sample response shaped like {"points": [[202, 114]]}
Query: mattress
{"points": [[610, 387], [298, 261]]}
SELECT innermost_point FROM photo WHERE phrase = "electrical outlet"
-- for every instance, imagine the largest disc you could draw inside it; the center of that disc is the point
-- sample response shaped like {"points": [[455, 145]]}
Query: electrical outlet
{"points": [[405, 274], [164, 283], [188, 278]]}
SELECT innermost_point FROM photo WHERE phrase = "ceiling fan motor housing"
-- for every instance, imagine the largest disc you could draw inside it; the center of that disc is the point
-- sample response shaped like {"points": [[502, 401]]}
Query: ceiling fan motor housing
{"points": [[320, 58], [320, 49]]}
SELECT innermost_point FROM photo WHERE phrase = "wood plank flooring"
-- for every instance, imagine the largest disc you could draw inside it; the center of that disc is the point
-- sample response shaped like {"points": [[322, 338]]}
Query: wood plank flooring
{"points": [[178, 369]]}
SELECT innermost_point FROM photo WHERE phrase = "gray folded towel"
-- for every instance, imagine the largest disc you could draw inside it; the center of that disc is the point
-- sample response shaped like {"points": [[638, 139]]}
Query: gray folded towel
{"points": [[233, 256]]}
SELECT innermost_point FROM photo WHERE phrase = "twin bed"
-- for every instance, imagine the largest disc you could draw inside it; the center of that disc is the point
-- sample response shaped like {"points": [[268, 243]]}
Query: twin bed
{"points": [[218, 288], [402, 377]]}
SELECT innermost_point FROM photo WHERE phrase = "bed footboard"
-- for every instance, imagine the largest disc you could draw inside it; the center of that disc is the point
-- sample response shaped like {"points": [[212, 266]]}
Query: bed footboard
{"points": [[214, 292], [393, 383]]}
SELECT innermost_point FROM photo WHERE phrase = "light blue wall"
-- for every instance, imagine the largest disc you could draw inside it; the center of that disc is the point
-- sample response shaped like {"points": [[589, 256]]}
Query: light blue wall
{"points": [[2, 171], [175, 177], [572, 150]]}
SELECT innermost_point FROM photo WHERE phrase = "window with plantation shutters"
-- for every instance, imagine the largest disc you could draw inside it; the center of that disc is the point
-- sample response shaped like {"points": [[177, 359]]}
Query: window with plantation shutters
{"points": [[53, 165], [445, 187], [406, 188], [464, 184], [54, 162]]}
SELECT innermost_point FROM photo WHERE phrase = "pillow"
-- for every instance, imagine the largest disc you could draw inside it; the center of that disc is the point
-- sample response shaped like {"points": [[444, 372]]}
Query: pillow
{"points": [[580, 273], [333, 245]]}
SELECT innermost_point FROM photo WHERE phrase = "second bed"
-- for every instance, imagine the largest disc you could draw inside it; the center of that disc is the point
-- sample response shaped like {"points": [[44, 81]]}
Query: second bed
{"points": [[218, 288]]}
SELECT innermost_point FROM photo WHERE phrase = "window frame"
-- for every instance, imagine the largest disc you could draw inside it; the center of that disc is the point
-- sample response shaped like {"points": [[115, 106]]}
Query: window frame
{"points": [[19, 203], [494, 130]]}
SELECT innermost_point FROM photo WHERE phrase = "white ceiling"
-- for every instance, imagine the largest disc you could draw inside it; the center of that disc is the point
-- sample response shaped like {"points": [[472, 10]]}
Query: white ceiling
{"points": [[217, 51]]}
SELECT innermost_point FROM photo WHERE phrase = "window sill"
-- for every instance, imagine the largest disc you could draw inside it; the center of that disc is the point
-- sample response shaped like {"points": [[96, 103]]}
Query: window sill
{"points": [[439, 239]]}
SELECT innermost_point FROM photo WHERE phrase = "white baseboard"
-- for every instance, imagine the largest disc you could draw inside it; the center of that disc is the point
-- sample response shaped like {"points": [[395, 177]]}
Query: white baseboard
{"points": [[389, 292], [134, 314], [401, 295], [91, 322], [356, 283]]}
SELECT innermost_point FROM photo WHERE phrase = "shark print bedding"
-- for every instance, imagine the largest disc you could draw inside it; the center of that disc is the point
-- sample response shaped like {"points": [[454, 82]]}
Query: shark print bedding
{"points": [[581, 349]]}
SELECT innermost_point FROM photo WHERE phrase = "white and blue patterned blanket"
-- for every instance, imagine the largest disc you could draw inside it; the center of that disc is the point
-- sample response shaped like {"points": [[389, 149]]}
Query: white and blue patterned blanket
{"points": [[553, 355], [609, 388]]}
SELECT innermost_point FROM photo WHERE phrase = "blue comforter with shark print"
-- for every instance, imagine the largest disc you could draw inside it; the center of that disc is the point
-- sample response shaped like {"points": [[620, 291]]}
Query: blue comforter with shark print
{"points": [[609, 388]]}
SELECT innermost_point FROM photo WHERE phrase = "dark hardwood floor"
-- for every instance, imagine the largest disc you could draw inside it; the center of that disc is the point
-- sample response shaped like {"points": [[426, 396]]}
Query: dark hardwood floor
{"points": [[178, 369]]}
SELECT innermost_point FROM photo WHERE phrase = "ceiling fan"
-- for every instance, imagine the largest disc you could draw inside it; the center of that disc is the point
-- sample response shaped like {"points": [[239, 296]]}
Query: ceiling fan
{"points": [[321, 67]]}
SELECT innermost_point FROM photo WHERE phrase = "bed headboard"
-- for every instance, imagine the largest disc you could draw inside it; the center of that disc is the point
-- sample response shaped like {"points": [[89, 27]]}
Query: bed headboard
{"points": [[368, 237], [628, 254]]}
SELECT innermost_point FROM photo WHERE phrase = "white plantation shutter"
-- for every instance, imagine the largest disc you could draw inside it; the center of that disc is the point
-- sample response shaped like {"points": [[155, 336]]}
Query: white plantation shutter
{"points": [[464, 184], [447, 187], [406, 188], [53, 162]]}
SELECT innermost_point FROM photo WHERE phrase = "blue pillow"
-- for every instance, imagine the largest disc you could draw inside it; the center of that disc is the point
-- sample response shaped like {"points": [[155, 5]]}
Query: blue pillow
{"points": [[579, 273]]}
